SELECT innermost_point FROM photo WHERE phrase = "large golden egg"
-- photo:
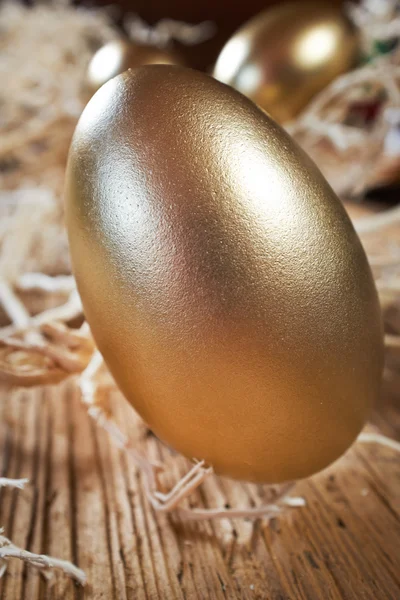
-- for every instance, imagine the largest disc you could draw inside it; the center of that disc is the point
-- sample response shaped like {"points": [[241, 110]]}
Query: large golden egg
{"points": [[222, 279], [287, 54], [118, 56]]}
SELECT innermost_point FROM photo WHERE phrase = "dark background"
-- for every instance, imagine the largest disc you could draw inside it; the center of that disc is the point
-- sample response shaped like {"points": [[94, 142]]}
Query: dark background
{"points": [[228, 15]]}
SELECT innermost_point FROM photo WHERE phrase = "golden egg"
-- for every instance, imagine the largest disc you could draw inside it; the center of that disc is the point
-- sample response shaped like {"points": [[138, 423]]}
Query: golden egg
{"points": [[120, 55], [287, 54], [221, 277]]}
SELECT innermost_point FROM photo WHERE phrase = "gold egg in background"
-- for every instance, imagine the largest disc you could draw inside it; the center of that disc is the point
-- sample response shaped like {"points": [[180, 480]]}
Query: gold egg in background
{"points": [[118, 56], [287, 54]]}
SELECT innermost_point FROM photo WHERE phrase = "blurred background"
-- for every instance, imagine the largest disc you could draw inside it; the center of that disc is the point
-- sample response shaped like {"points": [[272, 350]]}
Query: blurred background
{"points": [[227, 17]]}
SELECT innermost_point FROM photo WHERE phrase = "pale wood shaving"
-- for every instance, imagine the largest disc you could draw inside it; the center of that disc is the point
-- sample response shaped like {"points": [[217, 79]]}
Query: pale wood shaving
{"points": [[392, 341], [368, 437], [377, 222], [13, 306], [41, 350], [68, 311], [13, 483], [40, 561], [168, 30], [39, 282]]}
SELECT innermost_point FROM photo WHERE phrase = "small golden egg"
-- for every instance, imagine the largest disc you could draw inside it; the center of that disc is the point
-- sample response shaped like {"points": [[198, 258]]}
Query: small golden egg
{"points": [[221, 277], [118, 56], [287, 54]]}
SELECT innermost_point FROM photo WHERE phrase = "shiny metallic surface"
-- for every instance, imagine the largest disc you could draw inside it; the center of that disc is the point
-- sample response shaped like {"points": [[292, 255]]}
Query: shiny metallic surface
{"points": [[221, 277], [287, 54], [118, 56]]}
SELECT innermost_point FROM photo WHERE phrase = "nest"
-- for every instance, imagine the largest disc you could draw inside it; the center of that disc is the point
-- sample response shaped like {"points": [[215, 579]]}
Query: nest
{"points": [[43, 336]]}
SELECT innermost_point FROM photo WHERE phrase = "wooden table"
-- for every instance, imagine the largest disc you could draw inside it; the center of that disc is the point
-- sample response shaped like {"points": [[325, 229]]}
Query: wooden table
{"points": [[86, 503]]}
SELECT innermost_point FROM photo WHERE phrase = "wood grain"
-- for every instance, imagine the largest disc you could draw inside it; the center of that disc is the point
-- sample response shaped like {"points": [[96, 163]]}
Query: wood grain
{"points": [[86, 503]]}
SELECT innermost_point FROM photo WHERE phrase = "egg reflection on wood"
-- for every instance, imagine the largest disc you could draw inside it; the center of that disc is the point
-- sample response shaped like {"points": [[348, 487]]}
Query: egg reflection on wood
{"points": [[120, 55], [221, 277], [287, 54]]}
